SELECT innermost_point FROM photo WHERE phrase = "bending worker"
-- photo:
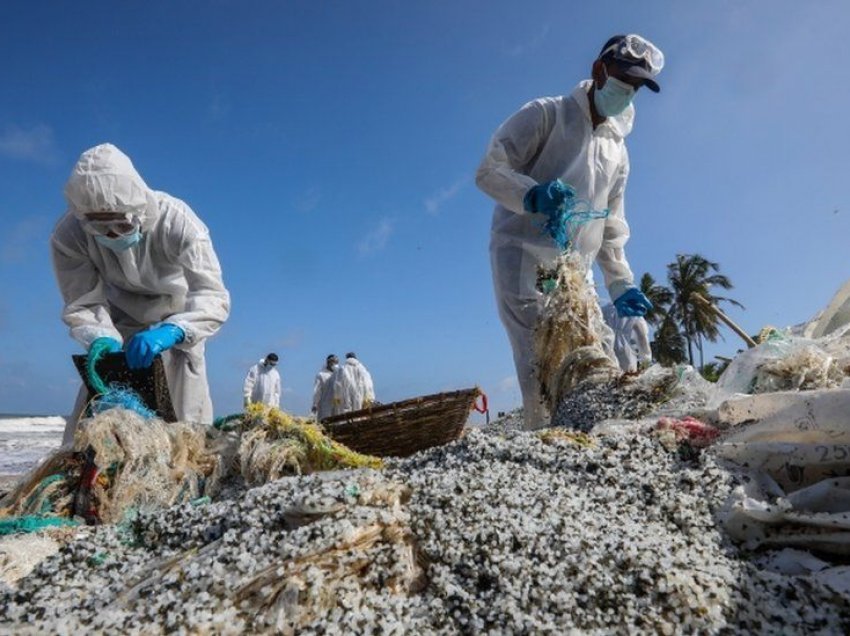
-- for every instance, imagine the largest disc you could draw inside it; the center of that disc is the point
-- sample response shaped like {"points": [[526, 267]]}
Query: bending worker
{"points": [[552, 148], [323, 389], [137, 270], [631, 340], [262, 384]]}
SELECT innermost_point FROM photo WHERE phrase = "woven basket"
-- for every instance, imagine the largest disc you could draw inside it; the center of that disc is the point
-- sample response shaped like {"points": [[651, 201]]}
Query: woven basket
{"points": [[402, 428]]}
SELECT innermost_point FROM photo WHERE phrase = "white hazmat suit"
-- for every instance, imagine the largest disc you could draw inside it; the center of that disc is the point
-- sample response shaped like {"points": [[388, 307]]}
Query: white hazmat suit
{"points": [[172, 275], [262, 384], [352, 386], [552, 138], [631, 339], [323, 393]]}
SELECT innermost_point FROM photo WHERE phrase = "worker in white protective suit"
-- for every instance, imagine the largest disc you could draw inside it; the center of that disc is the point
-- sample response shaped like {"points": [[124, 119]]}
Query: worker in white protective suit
{"points": [[554, 148], [262, 384], [352, 386], [631, 339], [137, 270], [323, 389]]}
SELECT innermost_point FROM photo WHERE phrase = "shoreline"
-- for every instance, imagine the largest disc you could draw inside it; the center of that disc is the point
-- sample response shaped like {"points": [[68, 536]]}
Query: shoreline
{"points": [[7, 483]]}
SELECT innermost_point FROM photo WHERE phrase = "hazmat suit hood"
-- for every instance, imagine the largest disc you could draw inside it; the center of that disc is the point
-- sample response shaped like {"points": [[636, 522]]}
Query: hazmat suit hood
{"points": [[104, 180]]}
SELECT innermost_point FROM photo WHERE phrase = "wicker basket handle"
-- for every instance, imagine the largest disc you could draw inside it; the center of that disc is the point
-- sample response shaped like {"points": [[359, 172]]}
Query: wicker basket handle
{"points": [[483, 408]]}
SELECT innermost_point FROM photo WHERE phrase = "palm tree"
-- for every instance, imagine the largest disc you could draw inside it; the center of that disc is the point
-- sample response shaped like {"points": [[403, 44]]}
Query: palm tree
{"points": [[694, 274], [660, 297], [668, 346]]}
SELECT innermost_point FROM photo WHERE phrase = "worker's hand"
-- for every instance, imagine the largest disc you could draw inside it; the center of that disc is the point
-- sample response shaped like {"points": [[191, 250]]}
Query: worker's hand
{"points": [[631, 303], [146, 345], [547, 198], [103, 345]]}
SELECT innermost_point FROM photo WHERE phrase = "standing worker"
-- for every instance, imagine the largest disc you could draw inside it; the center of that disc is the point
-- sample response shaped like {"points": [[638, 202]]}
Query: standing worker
{"points": [[551, 149], [262, 384], [137, 270], [323, 390], [631, 339], [352, 386]]}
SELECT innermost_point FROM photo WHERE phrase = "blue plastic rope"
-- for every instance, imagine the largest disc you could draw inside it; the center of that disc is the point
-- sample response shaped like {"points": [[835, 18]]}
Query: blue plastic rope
{"points": [[117, 396], [574, 213]]}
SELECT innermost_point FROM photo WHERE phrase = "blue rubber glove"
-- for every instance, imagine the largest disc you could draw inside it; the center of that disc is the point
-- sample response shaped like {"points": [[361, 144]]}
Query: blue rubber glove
{"points": [[547, 198], [633, 302], [145, 345]]}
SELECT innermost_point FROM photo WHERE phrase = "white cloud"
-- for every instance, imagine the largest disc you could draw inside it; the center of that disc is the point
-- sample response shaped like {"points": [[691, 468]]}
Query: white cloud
{"points": [[218, 109], [21, 239], [36, 144], [528, 46], [508, 384], [439, 198], [376, 239], [290, 340], [308, 201]]}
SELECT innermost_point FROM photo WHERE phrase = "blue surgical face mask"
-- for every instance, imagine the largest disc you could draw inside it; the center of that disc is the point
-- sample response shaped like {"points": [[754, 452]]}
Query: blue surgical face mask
{"points": [[613, 98], [120, 243]]}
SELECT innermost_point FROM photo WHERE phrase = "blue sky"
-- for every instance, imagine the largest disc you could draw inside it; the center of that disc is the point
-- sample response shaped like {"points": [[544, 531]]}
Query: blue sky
{"points": [[331, 148]]}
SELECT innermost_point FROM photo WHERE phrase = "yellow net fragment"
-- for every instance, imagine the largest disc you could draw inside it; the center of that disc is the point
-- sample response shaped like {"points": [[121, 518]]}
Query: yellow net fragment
{"points": [[279, 444], [551, 435]]}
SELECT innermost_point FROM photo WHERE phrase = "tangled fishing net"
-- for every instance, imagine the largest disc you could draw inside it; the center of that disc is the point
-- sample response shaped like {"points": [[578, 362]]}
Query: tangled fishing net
{"points": [[113, 395], [20, 554], [804, 368], [782, 362], [568, 337], [292, 593], [574, 212], [120, 462], [276, 444]]}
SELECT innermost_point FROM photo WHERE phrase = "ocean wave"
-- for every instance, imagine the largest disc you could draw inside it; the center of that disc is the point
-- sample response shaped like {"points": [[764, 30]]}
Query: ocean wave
{"points": [[32, 424]]}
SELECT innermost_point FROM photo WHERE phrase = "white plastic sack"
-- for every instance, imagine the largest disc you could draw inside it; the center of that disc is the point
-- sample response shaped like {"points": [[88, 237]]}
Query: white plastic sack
{"points": [[796, 463], [781, 363], [690, 392]]}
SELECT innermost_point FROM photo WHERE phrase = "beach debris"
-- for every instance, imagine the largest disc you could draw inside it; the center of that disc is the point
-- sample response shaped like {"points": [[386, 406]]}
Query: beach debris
{"points": [[20, 554], [569, 333], [782, 362], [498, 531], [120, 462], [673, 432], [275, 444]]}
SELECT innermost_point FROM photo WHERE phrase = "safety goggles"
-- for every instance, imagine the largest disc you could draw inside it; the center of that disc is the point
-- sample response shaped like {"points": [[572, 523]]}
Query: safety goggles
{"points": [[634, 48], [121, 226]]}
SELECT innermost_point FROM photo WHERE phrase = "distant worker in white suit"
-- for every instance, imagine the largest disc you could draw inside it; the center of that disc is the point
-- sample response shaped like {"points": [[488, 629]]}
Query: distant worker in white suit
{"points": [[323, 389], [262, 384], [631, 339], [352, 386]]}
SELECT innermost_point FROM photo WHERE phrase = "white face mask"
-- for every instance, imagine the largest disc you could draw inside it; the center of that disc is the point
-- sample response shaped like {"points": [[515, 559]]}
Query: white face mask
{"points": [[120, 243], [613, 98]]}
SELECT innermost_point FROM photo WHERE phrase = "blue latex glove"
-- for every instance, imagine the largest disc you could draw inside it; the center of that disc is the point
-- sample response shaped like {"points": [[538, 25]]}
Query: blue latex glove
{"points": [[633, 302], [145, 345], [547, 198], [102, 345]]}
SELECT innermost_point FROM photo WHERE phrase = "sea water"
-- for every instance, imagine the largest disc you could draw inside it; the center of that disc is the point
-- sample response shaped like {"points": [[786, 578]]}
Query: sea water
{"points": [[25, 439]]}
